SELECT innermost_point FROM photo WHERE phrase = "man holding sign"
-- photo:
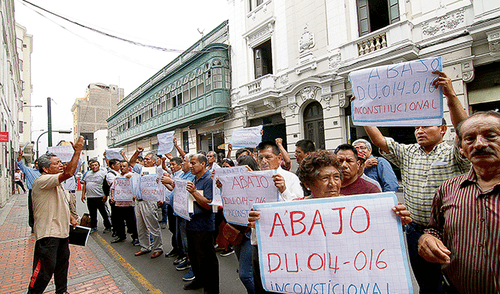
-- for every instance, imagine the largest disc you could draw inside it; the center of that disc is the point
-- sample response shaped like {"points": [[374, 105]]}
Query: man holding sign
{"points": [[424, 167]]}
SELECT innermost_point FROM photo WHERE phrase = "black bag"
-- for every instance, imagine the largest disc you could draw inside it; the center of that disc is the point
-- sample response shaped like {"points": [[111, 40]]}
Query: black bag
{"points": [[105, 186]]}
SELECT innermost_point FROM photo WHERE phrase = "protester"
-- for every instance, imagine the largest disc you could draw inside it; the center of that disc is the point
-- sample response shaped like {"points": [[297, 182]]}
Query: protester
{"points": [[352, 183], [200, 228], [212, 161], [286, 163], [18, 181], [92, 191], [145, 211], [377, 168], [463, 234], [303, 148], [52, 222], [31, 174], [124, 210], [424, 167], [176, 169]]}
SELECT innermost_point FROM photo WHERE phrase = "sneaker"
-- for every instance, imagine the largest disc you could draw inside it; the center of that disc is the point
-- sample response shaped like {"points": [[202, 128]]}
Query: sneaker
{"points": [[189, 276], [107, 230], [179, 260], [172, 253], [183, 266], [135, 242], [227, 252], [93, 230]]}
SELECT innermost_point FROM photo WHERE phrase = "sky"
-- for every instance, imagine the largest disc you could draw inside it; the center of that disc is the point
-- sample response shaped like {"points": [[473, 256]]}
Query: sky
{"points": [[66, 60]]}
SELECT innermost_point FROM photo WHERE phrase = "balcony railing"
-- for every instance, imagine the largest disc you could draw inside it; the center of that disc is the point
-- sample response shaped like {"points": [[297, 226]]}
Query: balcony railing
{"points": [[372, 44]]}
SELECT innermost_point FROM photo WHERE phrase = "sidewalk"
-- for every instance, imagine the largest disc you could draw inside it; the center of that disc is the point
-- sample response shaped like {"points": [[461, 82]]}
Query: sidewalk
{"points": [[91, 270]]}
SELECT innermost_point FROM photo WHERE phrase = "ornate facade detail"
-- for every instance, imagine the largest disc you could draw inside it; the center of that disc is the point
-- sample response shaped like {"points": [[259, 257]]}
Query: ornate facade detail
{"points": [[494, 41], [308, 92], [270, 103], [327, 99], [283, 112], [343, 102], [250, 112], [467, 71], [334, 62], [293, 107], [260, 34], [444, 23], [306, 41], [284, 79]]}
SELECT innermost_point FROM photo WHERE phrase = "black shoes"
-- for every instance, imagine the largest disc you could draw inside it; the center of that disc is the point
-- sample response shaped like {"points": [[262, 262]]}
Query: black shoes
{"points": [[118, 240], [193, 285], [172, 253]]}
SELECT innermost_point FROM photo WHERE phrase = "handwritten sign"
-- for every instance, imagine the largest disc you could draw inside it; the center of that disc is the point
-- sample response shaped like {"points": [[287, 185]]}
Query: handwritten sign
{"points": [[218, 171], [351, 244], [246, 137], [181, 199], [64, 152], [398, 94], [241, 190], [165, 142], [123, 190], [114, 153], [26, 144], [149, 188]]}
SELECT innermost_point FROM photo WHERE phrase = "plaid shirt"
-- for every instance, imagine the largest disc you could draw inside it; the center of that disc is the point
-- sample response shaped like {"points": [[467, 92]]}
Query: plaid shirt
{"points": [[423, 173], [467, 220]]}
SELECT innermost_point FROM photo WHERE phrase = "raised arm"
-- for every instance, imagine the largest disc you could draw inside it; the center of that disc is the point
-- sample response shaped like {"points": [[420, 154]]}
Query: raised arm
{"points": [[377, 138], [105, 158], [133, 159], [457, 112], [284, 153], [229, 150], [123, 155], [70, 169], [179, 149]]}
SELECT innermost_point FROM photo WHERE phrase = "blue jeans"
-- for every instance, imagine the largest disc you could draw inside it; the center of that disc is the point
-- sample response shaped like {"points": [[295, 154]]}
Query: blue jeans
{"points": [[428, 275], [181, 237], [244, 254], [164, 213]]}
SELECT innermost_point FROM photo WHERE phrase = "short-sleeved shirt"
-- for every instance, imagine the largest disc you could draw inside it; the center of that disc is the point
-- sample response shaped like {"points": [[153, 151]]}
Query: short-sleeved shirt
{"points": [[50, 207], [422, 173], [360, 186], [137, 180], [202, 219], [93, 183]]}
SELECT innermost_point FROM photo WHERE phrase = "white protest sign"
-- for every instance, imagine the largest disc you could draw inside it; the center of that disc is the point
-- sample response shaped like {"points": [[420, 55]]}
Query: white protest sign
{"points": [[123, 189], [22, 149], [398, 94], [149, 188], [241, 190], [350, 244], [114, 153], [218, 171], [165, 142], [64, 152], [246, 137], [181, 199]]}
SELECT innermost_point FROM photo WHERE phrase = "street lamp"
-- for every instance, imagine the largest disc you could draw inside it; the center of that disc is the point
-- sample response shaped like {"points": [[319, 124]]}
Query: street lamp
{"points": [[58, 131]]}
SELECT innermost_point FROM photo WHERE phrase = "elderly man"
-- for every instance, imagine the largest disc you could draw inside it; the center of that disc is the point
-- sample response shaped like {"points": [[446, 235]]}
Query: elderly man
{"points": [[212, 161], [464, 231], [352, 183], [145, 211], [199, 230], [52, 222], [424, 167], [377, 168], [31, 175], [93, 192]]}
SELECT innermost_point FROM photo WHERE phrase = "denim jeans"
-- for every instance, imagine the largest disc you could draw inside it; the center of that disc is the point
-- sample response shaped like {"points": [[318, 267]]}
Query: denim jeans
{"points": [[428, 275], [244, 254]]}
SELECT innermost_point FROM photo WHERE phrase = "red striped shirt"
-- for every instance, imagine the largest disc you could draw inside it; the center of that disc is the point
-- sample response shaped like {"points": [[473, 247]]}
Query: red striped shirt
{"points": [[467, 220]]}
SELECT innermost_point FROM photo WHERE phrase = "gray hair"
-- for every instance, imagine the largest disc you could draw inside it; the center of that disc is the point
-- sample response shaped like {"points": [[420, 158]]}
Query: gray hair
{"points": [[188, 156], [45, 161], [154, 157], [368, 145]]}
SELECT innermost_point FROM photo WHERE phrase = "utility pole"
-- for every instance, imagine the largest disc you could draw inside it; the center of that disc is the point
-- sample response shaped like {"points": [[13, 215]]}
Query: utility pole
{"points": [[49, 123]]}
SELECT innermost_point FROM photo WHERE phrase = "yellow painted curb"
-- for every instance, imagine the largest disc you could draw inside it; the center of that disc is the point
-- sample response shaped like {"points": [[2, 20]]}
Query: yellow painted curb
{"points": [[140, 278]]}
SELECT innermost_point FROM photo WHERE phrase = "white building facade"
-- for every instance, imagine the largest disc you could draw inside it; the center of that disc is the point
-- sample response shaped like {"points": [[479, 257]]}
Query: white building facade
{"points": [[291, 59]]}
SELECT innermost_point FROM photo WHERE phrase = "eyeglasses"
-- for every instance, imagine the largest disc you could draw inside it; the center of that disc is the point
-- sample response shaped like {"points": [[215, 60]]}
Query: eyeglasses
{"points": [[361, 147]]}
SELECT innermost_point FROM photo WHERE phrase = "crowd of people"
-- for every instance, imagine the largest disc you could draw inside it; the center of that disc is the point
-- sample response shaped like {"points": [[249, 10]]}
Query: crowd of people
{"points": [[450, 214]]}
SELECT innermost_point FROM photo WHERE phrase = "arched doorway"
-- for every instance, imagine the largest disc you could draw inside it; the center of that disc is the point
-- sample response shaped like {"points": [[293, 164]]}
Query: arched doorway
{"points": [[314, 124]]}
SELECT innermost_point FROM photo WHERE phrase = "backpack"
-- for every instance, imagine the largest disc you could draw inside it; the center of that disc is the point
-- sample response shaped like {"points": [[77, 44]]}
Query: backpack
{"points": [[105, 186]]}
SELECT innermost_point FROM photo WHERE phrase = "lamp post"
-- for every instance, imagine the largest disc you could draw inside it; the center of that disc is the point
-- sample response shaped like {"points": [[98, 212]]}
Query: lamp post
{"points": [[58, 131]]}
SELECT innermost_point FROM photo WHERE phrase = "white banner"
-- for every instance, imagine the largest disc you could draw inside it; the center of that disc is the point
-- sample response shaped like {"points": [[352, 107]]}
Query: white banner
{"points": [[114, 153], [350, 244], [165, 142], [241, 190], [123, 189], [149, 188], [181, 199], [246, 137], [398, 94], [218, 171], [64, 152]]}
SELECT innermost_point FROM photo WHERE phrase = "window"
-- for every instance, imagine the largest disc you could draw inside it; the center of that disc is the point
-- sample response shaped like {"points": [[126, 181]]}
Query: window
{"points": [[185, 141], [177, 100], [376, 14], [263, 59]]}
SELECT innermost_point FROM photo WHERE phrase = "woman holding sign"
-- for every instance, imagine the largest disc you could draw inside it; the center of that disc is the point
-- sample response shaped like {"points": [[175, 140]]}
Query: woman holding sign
{"points": [[320, 173]]}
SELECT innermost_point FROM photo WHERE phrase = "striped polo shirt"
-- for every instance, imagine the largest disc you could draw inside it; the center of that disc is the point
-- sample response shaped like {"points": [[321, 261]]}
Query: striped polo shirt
{"points": [[422, 173], [467, 220]]}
